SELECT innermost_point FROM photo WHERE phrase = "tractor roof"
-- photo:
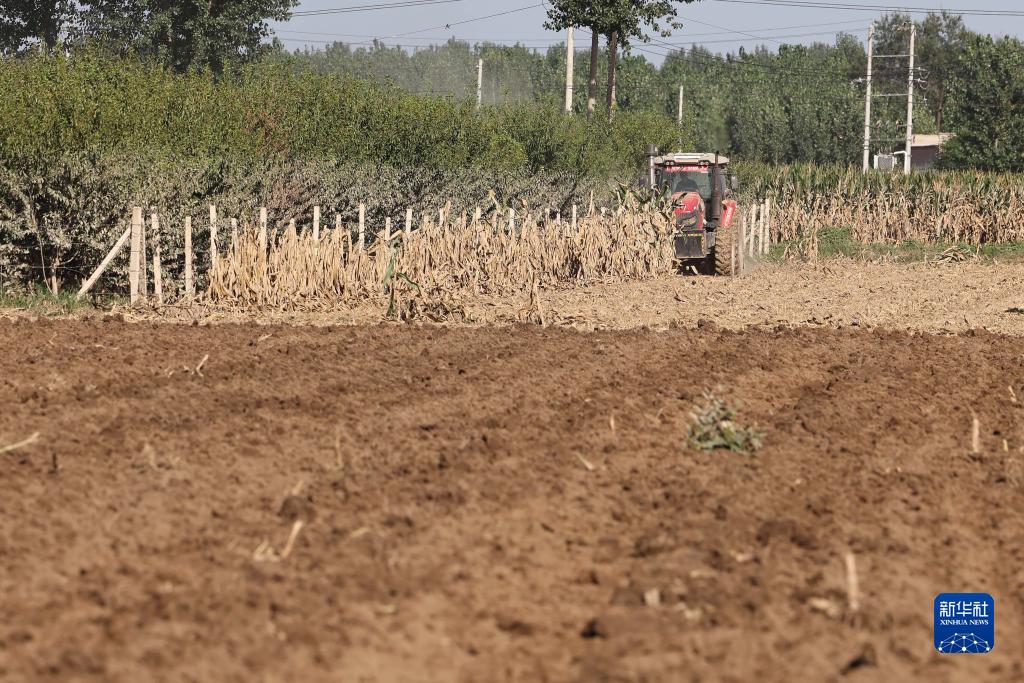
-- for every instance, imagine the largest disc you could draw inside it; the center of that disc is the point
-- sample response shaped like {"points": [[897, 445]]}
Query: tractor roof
{"points": [[690, 158]]}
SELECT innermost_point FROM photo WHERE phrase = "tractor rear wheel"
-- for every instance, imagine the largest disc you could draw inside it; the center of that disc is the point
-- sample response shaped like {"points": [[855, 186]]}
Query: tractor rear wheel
{"points": [[721, 255]]}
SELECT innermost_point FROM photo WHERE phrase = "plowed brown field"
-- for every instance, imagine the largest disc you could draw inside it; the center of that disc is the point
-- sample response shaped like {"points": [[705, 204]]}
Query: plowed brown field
{"points": [[500, 504]]}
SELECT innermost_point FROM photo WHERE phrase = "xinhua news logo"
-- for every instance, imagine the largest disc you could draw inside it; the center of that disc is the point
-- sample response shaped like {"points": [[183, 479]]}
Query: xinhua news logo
{"points": [[965, 623]]}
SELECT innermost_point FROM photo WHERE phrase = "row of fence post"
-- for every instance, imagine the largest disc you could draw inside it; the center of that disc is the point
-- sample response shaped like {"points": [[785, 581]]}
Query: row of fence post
{"points": [[754, 235], [138, 275], [754, 240]]}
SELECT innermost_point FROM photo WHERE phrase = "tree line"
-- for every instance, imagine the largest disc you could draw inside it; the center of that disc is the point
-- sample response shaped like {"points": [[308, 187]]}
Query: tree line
{"points": [[793, 103]]}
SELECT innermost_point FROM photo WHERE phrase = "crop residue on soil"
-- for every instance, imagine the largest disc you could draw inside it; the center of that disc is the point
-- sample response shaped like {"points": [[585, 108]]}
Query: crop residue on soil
{"points": [[500, 504]]}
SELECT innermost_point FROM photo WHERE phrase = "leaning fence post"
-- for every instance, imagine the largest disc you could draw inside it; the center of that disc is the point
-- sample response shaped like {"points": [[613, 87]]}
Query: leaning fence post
{"points": [[136, 254], [316, 223], [87, 285], [263, 230], [213, 236], [189, 284], [362, 225], [158, 278]]}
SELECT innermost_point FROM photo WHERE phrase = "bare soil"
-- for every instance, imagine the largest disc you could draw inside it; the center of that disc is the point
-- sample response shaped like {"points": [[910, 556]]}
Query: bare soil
{"points": [[925, 297], [500, 504]]}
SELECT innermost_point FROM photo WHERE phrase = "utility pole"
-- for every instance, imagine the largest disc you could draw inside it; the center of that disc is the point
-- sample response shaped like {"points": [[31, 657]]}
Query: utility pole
{"points": [[867, 101], [480, 83], [595, 46], [570, 54], [679, 108], [910, 102]]}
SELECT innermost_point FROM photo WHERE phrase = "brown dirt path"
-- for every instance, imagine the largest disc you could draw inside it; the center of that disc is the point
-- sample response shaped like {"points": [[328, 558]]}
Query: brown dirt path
{"points": [[454, 532]]}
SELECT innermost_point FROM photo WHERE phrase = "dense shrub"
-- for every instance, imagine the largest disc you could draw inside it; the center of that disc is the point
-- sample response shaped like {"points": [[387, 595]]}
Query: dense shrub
{"points": [[90, 101], [68, 209], [84, 137]]}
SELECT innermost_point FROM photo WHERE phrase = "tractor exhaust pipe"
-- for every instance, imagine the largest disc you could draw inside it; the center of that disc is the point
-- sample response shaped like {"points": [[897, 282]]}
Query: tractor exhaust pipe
{"points": [[652, 152], [715, 210]]}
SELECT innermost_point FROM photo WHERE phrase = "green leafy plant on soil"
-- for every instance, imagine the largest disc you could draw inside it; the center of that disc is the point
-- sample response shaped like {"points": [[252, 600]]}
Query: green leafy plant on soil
{"points": [[713, 426]]}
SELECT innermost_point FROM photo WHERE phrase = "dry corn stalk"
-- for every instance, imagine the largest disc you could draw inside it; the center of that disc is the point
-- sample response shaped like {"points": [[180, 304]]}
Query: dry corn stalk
{"points": [[444, 260]]}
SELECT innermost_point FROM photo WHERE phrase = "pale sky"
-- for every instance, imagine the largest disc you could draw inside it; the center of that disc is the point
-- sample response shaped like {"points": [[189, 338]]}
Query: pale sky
{"points": [[721, 25]]}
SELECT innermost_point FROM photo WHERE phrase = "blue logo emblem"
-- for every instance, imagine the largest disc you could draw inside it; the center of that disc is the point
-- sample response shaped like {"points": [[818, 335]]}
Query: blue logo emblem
{"points": [[965, 623]]}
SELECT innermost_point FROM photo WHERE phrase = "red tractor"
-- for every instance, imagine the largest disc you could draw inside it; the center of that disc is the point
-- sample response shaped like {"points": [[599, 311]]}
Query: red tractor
{"points": [[703, 204]]}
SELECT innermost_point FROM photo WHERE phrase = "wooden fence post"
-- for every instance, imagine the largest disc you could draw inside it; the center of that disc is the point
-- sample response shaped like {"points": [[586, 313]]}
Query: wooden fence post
{"points": [[263, 230], [408, 221], [387, 229], [190, 287], [741, 247], [767, 224], [158, 276], [136, 254], [574, 211], [752, 232], [316, 223], [143, 263], [213, 236], [362, 225], [512, 221]]}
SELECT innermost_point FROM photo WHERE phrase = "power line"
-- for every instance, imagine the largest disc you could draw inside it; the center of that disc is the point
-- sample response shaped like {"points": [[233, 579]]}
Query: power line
{"points": [[790, 35], [542, 42], [857, 7], [469, 21], [402, 4], [739, 33], [545, 41], [780, 28]]}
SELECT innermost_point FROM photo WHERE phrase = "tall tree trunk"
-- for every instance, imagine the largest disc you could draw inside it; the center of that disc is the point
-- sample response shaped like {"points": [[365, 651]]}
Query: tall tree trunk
{"points": [[613, 56], [49, 23], [595, 50]]}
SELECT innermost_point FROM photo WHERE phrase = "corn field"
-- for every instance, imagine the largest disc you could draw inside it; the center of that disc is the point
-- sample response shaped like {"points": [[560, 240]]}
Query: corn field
{"points": [[443, 258], [933, 207]]}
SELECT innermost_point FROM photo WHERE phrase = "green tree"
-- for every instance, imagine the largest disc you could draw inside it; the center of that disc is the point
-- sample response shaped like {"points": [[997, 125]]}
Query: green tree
{"points": [[619, 20], [205, 34], [24, 22], [939, 41], [986, 105]]}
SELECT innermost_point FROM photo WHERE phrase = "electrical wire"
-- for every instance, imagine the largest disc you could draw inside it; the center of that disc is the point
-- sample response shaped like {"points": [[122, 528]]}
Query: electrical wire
{"points": [[470, 21], [402, 4], [858, 7]]}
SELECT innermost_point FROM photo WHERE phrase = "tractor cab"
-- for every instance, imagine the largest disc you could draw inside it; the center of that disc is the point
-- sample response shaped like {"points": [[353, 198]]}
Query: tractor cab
{"points": [[703, 204], [684, 173]]}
